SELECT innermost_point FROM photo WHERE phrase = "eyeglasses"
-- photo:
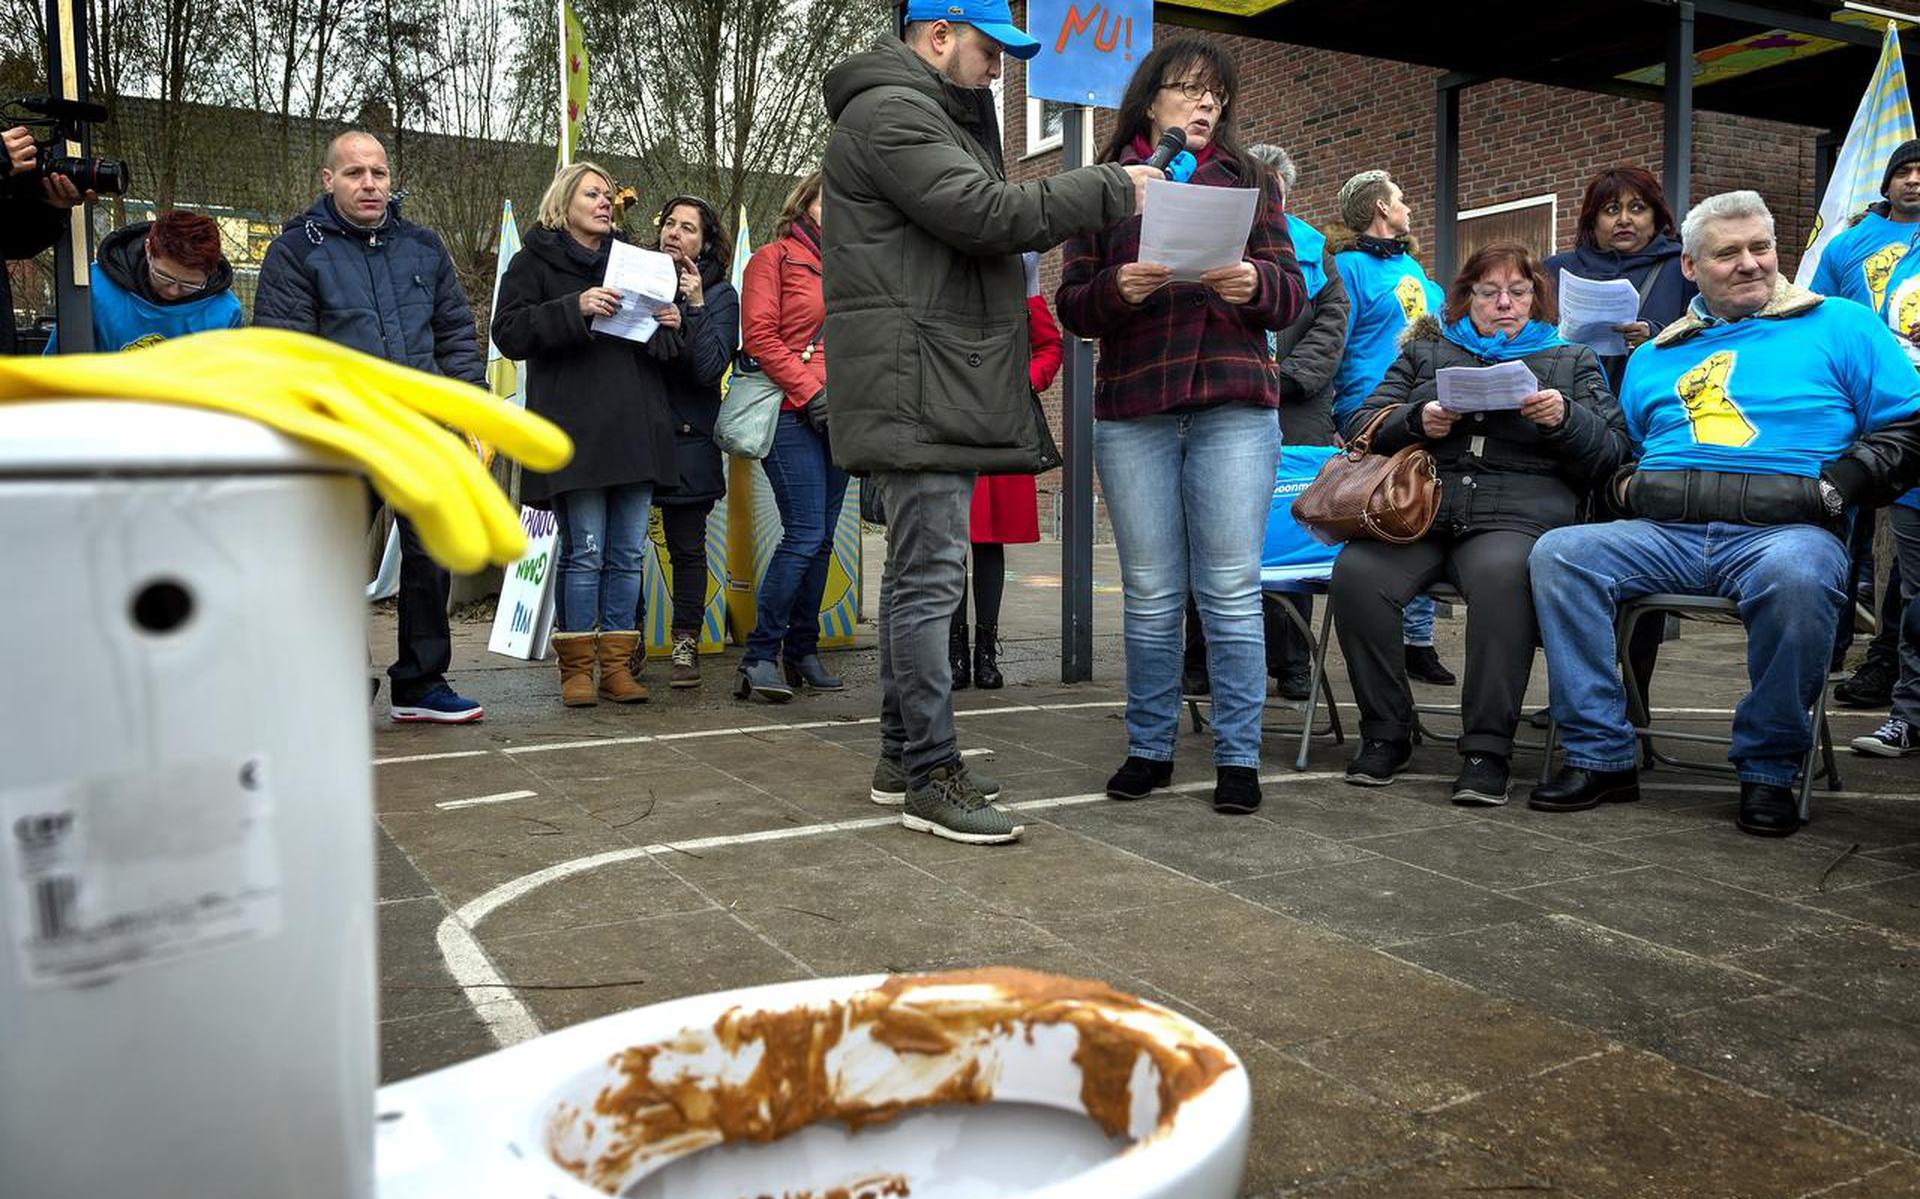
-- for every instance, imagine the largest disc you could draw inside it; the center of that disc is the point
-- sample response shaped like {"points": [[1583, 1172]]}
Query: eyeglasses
{"points": [[161, 277], [1193, 91], [1518, 293]]}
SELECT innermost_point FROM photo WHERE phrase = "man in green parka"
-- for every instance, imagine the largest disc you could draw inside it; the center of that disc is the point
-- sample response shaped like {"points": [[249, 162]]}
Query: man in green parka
{"points": [[927, 327]]}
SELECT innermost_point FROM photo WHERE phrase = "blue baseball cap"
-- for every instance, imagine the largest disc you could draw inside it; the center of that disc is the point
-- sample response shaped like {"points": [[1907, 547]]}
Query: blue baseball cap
{"points": [[991, 17]]}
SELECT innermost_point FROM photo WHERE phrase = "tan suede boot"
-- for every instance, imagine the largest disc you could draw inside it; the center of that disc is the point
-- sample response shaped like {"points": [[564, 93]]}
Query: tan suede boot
{"points": [[576, 652], [616, 674]]}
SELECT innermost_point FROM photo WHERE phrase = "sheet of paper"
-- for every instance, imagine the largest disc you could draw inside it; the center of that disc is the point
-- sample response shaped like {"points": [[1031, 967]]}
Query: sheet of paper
{"points": [[1589, 309], [1497, 388], [646, 280], [1195, 229]]}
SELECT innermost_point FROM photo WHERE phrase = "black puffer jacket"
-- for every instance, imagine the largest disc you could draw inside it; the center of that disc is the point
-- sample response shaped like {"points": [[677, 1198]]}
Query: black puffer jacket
{"points": [[608, 393], [707, 340], [1499, 470], [1309, 353]]}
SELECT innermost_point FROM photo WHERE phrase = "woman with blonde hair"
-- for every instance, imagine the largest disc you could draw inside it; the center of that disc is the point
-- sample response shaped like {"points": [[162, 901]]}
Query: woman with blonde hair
{"points": [[610, 395], [782, 327]]}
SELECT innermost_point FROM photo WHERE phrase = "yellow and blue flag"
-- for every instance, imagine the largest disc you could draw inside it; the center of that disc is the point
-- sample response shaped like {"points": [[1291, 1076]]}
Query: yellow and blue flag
{"points": [[1883, 120], [573, 81]]}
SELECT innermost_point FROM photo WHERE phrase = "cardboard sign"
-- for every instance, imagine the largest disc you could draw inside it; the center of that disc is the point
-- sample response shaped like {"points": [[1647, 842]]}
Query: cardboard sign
{"points": [[523, 621]]}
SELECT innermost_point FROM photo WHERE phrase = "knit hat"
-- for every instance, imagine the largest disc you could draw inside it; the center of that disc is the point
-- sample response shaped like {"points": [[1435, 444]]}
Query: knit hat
{"points": [[1356, 199], [1908, 151]]}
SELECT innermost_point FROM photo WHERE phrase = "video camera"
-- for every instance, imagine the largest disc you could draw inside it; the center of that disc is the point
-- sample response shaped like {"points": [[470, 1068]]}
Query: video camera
{"points": [[66, 120]]}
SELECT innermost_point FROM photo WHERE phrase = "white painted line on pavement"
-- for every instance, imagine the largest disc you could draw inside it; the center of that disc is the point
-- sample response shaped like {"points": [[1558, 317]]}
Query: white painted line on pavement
{"points": [[732, 730], [477, 800]]}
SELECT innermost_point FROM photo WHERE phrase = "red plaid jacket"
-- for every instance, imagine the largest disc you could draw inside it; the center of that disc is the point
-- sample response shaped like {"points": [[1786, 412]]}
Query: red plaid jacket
{"points": [[1183, 347]]}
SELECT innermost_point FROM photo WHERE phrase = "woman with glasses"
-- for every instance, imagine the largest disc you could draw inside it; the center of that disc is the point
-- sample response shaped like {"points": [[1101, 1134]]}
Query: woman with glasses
{"points": [[158, 279], [1186, 439], [1506, 477]]}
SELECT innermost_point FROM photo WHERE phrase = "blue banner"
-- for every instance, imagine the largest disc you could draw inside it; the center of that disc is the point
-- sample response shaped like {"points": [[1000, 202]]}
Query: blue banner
{"points": [[1087, 51]]}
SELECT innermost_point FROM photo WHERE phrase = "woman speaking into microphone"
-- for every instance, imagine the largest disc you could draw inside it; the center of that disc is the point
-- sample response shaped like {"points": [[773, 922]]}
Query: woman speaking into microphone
{"points": [[1187, 438]]}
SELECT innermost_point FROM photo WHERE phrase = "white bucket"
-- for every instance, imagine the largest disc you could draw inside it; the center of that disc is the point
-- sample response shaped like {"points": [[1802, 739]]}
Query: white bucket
{"points": [[187, 996]]}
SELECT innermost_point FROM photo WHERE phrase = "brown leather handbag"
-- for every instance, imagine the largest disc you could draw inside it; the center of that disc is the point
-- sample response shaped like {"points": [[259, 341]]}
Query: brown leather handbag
{"points": [[1363, 494]]}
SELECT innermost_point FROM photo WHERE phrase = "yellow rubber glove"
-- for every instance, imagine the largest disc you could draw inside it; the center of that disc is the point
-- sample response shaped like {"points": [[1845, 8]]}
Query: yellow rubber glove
{"points": [[392, 420]]}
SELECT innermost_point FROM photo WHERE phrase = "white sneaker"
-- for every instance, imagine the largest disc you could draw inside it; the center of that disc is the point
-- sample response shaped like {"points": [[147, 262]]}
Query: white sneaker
{"points": [[1894, 739]]}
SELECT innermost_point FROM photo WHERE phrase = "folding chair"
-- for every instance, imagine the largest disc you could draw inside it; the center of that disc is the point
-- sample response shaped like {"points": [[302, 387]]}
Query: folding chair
{"points": [[1293, 562], [1820, 760]]}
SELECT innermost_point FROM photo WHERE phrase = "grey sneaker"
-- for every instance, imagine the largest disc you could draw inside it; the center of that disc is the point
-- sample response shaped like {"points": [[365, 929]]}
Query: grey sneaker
{"points": [[951, 806], [890, 782]]}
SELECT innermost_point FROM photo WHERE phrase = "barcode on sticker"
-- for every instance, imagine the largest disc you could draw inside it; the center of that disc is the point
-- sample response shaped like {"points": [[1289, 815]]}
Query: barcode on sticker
{"points": [[54, 900]]}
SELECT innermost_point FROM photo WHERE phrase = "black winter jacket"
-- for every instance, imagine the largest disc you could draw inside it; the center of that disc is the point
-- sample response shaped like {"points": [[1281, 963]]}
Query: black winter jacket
{"points": [[1499, 470], [28, 225], [608, 393], [707, 342], [1309, 351]]}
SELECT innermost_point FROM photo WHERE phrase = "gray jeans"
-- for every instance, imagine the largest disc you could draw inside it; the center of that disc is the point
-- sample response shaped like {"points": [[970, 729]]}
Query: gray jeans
{"points": [[1906, 544], [927, 513]]}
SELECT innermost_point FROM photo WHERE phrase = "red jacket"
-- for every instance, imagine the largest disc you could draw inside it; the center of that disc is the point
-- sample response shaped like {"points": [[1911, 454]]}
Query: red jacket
{"points": [[782, 310], [1183, 347], [1046, 349]]}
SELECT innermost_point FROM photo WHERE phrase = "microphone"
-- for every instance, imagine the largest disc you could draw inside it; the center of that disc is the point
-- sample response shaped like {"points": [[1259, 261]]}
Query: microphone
{"points": [[1172, 142]]}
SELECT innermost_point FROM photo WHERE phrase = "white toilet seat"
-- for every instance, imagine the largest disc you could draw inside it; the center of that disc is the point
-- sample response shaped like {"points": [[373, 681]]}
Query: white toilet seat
{"points": [[495, 1125]]}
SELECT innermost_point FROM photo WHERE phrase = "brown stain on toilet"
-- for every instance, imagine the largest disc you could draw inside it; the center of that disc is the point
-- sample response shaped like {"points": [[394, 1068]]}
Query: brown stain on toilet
{"points": [[879, 1186], [792, 1087]]}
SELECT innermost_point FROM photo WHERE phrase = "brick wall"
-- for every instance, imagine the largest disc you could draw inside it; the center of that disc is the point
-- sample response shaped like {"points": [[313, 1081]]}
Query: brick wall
{"points": [[1339, 113]]}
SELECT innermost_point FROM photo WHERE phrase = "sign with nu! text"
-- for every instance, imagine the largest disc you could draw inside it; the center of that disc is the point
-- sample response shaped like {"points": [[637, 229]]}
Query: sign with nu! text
{"points": [[523, 621], [1087, 51]]}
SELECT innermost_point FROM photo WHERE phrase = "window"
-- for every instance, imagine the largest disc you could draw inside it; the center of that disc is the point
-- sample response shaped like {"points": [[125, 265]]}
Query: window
{"points": [[1529, 222], [1046, 124]]}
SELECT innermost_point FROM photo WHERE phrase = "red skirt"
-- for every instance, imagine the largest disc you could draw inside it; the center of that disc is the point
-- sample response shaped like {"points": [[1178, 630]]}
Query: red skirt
{"points": [[1005, 511]]}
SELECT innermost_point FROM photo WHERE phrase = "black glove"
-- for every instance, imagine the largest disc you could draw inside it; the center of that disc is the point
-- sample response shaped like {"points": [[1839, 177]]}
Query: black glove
{"points": [[815, 412]]}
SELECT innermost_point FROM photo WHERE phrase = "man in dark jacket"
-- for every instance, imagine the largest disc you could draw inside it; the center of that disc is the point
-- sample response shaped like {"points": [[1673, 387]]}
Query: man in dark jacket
{"points": [[352, 271], [33, 212], [927, 317], [1760, 417]]}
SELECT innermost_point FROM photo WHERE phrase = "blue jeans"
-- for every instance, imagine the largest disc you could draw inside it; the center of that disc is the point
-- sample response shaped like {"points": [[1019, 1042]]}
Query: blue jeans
{"points": [[603, 549], [1788, 580], [1189, 496], [808, 489], [1416, 622]]}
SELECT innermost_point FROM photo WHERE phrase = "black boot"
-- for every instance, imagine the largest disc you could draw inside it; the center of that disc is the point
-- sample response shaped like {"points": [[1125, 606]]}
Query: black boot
{"points": [[986, 658], [958, 657], [1576, 790]]}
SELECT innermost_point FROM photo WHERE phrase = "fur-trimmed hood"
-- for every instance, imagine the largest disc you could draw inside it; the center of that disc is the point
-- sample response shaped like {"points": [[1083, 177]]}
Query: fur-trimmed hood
{"points": [[1340, 239], [1425, 327], [1788, 301]]}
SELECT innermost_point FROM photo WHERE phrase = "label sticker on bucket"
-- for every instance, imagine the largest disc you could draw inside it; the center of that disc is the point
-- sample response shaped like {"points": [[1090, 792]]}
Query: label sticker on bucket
{"points": [[102, 875]]}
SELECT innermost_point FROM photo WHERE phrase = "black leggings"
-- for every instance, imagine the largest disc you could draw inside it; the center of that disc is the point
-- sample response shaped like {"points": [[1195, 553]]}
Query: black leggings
{"points": [[989, 585], [685, 526]]}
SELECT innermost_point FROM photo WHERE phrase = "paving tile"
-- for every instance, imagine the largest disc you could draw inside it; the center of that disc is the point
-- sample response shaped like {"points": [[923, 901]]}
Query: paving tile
{"points": [[1907, 855], [636, 889], [1182, 831], [645, 815], [1871, 822], [1682, 911], [1267, 974], [413, 976], [718, 865], [466, 853], [1495, 855], [1308, 1127], [1832, 1059], [1042, 879], [1629, 1125], [1450, 1174], [1581, 972], [1783, 867], [688, 954], [1898, 1181], [1332, 809], [1656, 812], [422, 1044], [1870, 970], [878, 916], [1381, 901], [399, 878], [1469, 1044], [417, 786], [1891, 905]]}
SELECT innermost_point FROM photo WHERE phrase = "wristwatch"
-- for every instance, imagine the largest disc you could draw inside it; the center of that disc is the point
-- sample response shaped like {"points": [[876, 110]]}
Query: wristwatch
{"points": [[1831, 499]]}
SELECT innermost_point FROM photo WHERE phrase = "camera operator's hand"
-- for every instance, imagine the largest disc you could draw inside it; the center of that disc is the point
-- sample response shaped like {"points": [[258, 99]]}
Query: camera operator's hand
{"points": [[22, 154], [61, 192]]}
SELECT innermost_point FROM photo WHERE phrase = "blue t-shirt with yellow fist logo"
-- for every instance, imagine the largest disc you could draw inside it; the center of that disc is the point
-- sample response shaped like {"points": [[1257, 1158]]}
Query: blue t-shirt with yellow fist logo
{"points": [[1767, 396], [1386, 294], [1858, 264]]}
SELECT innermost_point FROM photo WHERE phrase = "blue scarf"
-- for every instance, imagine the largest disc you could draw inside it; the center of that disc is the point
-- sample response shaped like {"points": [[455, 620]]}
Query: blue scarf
{"points": [[1536, 336]]}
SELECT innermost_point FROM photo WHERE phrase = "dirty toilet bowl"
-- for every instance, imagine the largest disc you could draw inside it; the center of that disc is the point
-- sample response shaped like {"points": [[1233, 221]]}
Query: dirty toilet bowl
{"points": [[973, 1085]]}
